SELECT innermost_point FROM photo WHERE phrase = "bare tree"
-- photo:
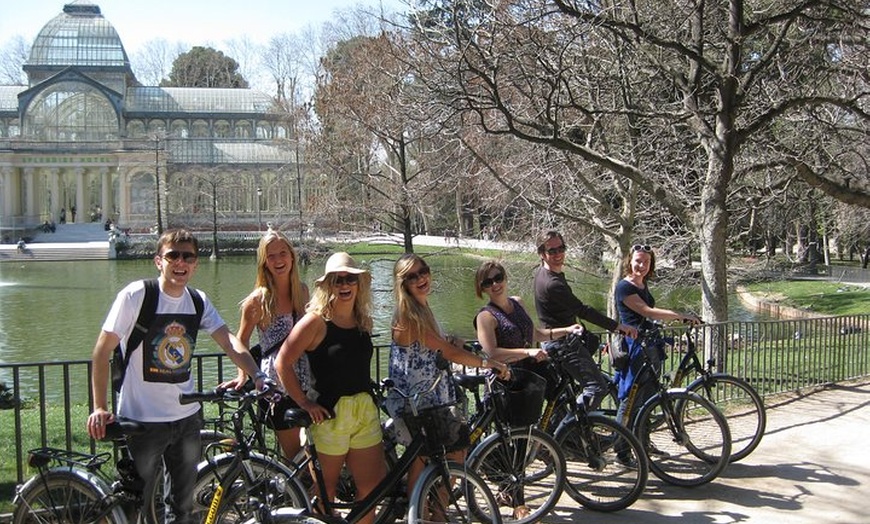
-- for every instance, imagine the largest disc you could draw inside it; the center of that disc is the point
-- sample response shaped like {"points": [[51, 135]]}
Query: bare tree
{"points": [[152, 63], [671, 97], [13, 56]]}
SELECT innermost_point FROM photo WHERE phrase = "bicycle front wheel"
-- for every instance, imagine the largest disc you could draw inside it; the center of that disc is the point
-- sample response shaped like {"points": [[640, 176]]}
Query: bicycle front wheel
{"points": [[607, 468], [525, 471], [450, 492], [742, 406], [685, 437], [62, 495], [267, 483]]}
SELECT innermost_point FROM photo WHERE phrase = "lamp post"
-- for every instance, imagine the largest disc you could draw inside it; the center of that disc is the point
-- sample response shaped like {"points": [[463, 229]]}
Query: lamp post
{"points": [[259, 196], [157, 183]]}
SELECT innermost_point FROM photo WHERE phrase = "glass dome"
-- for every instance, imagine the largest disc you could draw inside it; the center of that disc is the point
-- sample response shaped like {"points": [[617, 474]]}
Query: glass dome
{"points": [[79, 36]]}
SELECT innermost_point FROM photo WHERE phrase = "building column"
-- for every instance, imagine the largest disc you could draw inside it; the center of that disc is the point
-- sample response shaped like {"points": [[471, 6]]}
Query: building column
{"points": [[106, 200], [56, 197], [10, 194], [81, 209], [123, 197], [31, 211]]}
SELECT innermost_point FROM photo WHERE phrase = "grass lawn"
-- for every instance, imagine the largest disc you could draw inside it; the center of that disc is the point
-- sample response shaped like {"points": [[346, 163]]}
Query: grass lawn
{"points": [[829, 298]]}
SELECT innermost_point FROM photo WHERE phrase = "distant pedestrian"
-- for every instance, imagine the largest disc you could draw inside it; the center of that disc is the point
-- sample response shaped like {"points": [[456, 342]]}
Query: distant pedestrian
{"points": [[63, 215]]}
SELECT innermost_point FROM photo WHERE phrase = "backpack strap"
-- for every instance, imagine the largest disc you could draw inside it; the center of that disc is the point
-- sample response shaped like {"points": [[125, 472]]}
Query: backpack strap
{"points": [[145, 318]]}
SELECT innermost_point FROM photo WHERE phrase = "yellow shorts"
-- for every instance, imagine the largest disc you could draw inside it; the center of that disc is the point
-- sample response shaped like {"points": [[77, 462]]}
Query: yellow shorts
{"points": [[356, 425]]}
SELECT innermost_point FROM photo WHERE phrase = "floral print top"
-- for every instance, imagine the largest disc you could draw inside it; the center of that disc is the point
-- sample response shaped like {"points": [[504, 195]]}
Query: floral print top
{"points": [[274, 333], [413, 368]]}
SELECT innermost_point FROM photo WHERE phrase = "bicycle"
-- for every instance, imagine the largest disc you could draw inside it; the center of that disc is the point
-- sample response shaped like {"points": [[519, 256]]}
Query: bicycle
{"points": [[445, 490], [741, 404], [70, 487], [523, 466], [233, 485], [685, 436], [607, 467]]}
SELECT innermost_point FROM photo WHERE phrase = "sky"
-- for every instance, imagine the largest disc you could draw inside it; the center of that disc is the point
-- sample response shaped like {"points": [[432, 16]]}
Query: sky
{"points": [[195, 22]]}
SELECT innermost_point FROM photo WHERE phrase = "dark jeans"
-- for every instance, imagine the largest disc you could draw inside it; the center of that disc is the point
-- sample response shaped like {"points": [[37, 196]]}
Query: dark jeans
{"points": [[177, 446], [584, 370]]}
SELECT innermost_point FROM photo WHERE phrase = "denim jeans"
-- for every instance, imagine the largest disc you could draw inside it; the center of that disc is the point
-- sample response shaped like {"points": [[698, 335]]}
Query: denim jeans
{"points": [[177, 446]]}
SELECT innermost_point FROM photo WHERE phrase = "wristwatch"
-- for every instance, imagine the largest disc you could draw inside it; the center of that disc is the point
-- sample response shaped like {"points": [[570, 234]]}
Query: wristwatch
{"points": [[260, 375], [483, 362]]}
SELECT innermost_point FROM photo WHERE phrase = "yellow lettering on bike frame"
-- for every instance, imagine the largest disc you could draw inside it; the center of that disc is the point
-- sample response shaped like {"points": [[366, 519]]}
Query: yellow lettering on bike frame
{"points": [[213, 507]]}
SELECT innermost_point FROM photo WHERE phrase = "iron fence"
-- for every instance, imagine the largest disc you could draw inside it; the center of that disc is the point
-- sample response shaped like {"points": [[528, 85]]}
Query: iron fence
{"points": [[47, 403]]}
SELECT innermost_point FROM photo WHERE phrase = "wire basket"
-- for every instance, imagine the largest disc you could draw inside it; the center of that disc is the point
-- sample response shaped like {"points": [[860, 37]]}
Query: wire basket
{"points": [[445, 428], [520, 400]]}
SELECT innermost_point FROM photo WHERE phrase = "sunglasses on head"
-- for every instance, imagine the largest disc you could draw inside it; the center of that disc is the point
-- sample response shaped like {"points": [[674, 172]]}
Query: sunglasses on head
{"points": [[558, 250], [187, 256], [413, 277], [349, 279], [486, 283], [639, 247]]}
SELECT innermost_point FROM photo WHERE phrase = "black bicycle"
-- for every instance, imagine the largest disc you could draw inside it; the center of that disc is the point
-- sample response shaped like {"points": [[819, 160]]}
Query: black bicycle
{"points": [[685, 436], [607, 467], [445, 491], [741, 404], [70, 487], [523, 466]]}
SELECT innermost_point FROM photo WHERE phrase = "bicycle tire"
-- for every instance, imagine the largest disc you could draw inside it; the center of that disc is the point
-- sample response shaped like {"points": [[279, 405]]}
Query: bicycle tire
{"points": [[63, 495], [608, 474], [699, 447], [274, 485], [742, 406], [526, 464], [464, 497]]}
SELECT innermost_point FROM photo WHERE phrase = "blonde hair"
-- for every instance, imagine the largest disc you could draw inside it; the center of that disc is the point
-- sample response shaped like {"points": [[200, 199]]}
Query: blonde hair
{"points": [[409, 314], [323, 299], [264, 286]]}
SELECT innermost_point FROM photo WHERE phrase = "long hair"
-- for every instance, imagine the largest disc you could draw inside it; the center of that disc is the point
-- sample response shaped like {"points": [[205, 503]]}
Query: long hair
{"points": [[408, 313], [323, 300], [265, 288], [626, 265]]}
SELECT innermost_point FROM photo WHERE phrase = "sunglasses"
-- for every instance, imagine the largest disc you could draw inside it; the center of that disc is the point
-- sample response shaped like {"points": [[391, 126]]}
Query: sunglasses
{"points": [[487, 283], [557, 250], [349, 279], [413, 277], [187, 256], [638, 247]]}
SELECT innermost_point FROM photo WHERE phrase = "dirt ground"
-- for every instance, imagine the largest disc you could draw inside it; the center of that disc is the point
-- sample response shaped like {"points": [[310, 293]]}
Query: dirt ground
{"points": [[811, 467]]}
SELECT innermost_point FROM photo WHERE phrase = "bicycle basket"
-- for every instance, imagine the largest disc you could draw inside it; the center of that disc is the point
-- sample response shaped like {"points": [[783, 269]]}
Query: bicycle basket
{"points": [[445, 428], [520, 400]]}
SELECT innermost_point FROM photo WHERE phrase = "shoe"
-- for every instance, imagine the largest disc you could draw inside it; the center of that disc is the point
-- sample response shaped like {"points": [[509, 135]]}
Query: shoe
{"points": [[627, 461], [652, 450]]}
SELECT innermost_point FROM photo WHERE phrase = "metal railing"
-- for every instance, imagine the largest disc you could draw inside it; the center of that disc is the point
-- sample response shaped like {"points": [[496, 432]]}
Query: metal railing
{"points": [[47, 403]]}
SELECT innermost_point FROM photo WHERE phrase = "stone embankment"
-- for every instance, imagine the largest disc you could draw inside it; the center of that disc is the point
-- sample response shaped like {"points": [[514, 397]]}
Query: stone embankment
{"points": [[771, 308]]}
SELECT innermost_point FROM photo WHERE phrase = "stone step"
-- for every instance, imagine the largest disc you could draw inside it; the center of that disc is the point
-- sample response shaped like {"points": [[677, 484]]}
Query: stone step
{"points": [[36, 252]]}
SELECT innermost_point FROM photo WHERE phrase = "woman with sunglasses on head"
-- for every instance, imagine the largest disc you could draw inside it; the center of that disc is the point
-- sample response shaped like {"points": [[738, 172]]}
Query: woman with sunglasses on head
{"points": [[335, 334], [273, 307], [417, 342], [635, 305]]}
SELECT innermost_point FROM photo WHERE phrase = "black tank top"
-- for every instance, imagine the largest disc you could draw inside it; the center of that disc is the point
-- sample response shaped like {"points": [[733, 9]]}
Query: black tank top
{"points": [[341, 364]]}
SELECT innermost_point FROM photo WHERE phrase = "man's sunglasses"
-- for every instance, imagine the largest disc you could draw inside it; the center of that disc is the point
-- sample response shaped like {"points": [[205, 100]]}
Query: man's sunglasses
{"points": [[187, 256], [349, 279], [558, 250], [413, 277], [639, 247], [487, 283]]}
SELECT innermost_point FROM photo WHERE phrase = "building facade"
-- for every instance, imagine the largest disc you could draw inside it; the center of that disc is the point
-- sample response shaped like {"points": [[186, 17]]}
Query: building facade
{"points": [[84, 141]]}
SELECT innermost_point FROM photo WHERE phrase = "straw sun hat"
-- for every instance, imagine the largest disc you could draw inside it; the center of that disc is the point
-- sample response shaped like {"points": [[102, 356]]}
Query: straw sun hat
{"points": [[341, 262]]}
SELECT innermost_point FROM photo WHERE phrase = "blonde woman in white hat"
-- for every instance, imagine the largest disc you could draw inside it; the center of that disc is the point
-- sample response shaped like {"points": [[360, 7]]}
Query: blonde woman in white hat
{"points": [[335, 334]]}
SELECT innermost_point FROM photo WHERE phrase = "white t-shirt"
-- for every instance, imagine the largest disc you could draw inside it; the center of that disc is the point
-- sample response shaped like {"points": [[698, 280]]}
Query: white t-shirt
{"points": [[150, 400]]}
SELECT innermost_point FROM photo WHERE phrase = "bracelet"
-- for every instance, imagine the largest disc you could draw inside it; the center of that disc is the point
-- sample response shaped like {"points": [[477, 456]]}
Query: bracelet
{"points": [[551, 333], [483, 362], [260, 375]]}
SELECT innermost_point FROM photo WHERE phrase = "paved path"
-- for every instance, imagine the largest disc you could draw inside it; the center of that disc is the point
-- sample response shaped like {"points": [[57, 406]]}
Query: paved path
{"points": [[812, 467]]}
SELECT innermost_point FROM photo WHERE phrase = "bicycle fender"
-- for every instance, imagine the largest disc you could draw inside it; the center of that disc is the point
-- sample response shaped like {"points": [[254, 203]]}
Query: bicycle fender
{"points": [[103, 489]]}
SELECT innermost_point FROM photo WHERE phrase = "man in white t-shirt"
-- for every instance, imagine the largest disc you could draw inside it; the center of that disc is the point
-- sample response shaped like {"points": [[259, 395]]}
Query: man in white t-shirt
{"points": [[159, 371]]}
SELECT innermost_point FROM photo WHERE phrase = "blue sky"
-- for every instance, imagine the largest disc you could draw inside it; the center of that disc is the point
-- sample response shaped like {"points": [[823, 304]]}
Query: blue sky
{"points": [[195, 22]]}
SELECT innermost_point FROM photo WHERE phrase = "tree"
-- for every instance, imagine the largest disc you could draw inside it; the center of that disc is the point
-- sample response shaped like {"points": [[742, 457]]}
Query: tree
{"points": [[153, 62], [13, 56], [205, 67], [672, 98]]}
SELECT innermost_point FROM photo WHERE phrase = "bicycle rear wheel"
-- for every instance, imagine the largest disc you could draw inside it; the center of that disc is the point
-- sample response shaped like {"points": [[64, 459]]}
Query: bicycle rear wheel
{"points": [[742, 406], [607, 468], [685, 437], [62, 495], [451, 493], [272, 485], [525, 471]]}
